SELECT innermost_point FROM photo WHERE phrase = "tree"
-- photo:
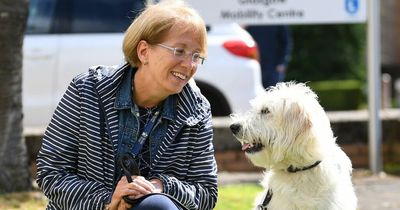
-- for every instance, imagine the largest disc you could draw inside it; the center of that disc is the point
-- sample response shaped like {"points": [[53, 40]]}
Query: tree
{"points": [[328, 52], [14, 173]]}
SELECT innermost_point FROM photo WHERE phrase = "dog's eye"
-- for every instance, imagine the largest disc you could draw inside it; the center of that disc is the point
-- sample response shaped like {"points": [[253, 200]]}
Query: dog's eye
{"points": [[265, 110]]}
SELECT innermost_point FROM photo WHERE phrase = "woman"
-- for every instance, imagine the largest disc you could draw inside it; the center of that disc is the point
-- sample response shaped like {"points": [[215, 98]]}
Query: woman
{"points": [[148, 108]]}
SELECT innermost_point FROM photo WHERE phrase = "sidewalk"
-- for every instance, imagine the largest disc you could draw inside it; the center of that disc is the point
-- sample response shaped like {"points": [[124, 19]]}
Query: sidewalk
{"points": [[374, 192]]}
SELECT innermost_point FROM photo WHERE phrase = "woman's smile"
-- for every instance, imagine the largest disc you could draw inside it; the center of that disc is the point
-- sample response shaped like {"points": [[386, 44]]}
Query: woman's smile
{"points": [[179, 75]]}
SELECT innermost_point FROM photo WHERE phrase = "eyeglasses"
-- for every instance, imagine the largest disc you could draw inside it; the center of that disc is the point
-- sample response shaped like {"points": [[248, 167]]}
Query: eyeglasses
{"points": [[182, 53]]}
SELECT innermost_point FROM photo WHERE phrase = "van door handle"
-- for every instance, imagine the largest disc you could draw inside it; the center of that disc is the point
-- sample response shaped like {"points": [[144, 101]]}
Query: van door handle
{"points": [[37, 54]]}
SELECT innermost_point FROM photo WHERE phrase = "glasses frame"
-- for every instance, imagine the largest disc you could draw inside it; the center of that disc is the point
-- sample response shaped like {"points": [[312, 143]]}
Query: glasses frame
{"points": [[185, 53]]}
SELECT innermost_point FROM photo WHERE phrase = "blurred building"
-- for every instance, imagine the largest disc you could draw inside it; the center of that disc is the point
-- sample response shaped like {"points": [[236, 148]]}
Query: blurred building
{"points": [[390, 51], [390, 41]]}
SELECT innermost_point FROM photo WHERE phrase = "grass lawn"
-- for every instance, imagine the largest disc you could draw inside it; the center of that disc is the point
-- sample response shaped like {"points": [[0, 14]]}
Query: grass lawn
{"points": [[237, 197], [33, 200], [231, 197]]}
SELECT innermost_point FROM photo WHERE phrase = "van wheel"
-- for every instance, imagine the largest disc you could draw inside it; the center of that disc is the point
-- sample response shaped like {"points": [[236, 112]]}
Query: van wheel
{"points": [[219, 105]]}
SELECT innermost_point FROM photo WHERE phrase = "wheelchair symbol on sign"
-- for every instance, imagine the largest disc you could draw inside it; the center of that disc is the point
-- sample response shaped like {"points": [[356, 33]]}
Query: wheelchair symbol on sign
{"points": [[352, 6]]}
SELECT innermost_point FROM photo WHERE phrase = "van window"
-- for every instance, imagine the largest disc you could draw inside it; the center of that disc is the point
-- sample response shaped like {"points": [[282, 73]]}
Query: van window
{"points": [[102, 16], [41, 14]]}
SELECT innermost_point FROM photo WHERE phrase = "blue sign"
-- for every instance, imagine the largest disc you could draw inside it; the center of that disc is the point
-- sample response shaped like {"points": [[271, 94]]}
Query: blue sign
{"points": [[352, 6]]}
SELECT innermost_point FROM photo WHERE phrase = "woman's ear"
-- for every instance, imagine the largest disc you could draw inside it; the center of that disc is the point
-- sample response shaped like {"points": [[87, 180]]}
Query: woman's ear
{"points": [[142, 52]]}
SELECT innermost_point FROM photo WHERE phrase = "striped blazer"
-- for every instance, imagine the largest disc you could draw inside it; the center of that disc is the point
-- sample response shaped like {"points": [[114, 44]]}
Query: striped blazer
{"points": [[76, 164]]}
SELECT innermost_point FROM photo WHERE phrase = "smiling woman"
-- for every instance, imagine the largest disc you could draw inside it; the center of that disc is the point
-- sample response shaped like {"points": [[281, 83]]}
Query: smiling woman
{"points": [[144, 113]]}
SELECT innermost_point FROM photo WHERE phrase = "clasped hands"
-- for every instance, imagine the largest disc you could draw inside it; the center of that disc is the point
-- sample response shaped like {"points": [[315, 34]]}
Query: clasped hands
{"points": [[138, 188]]}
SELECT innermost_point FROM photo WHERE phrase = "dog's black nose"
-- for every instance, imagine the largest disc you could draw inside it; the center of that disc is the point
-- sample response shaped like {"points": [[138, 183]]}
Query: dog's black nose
{"points": [[235, 128]]}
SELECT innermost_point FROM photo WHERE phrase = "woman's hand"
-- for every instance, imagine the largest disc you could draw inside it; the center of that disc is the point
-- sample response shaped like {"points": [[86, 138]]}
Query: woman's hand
{"points": [[136, 189], [141, 186]]}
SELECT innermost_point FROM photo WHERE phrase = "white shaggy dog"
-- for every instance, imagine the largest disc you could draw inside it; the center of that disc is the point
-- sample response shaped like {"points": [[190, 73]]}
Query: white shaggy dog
{"points": [[288, 133]]}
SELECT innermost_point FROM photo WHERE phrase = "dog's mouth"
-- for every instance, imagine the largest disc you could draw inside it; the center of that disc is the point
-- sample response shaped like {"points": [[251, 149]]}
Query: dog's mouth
{"points": [[252, 147]]}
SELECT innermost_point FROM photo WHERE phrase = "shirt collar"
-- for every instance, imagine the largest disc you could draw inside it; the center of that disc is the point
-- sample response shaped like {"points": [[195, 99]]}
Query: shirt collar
{"points": [[123, 98]]}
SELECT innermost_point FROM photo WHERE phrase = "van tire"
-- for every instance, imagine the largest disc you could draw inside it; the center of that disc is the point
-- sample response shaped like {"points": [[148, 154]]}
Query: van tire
{"points": [[219, 104]]}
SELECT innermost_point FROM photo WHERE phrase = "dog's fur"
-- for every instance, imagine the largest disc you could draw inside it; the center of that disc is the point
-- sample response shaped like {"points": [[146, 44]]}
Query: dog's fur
{"points": [[287, 128]]}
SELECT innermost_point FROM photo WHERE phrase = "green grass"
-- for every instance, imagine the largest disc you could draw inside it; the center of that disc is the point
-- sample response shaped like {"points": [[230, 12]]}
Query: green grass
{"points": [[23, 201], [392, 168], [239, 196], [231, 197]]}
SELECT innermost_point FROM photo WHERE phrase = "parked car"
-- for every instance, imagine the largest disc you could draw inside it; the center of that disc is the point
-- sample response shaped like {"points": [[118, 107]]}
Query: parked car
{"points": [[66, 37]]}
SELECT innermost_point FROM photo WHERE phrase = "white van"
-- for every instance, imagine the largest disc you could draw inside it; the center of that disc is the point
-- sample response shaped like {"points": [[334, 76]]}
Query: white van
{"points": [[66, 37]]}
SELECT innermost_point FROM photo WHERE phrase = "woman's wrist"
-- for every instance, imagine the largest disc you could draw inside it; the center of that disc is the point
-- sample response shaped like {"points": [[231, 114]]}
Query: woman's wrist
{"points": [[106, 206], [158, 185]]}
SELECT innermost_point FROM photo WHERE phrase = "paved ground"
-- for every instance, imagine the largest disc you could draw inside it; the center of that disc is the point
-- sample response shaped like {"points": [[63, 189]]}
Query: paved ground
{"points": [[378, 192], [374, 192]]}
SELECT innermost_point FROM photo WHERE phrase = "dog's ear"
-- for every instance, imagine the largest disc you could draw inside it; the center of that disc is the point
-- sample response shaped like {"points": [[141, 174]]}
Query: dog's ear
{"points": [[295, 123], [295, 117]]}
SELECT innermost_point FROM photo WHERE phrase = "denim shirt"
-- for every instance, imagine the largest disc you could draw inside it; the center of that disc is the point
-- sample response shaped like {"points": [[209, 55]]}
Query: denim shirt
{"points": [[129, 125]]}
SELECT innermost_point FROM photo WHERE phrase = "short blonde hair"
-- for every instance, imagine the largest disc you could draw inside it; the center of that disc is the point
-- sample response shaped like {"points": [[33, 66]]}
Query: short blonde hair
{"points": [[154, 23]]}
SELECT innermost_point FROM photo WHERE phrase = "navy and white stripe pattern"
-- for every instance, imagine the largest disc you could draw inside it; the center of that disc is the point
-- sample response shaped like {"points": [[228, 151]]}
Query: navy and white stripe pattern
{"points": [[76, 164]]}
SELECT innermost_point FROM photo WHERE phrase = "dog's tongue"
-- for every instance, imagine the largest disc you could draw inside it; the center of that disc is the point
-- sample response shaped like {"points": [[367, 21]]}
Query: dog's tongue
{"points": [[246, 146]]}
